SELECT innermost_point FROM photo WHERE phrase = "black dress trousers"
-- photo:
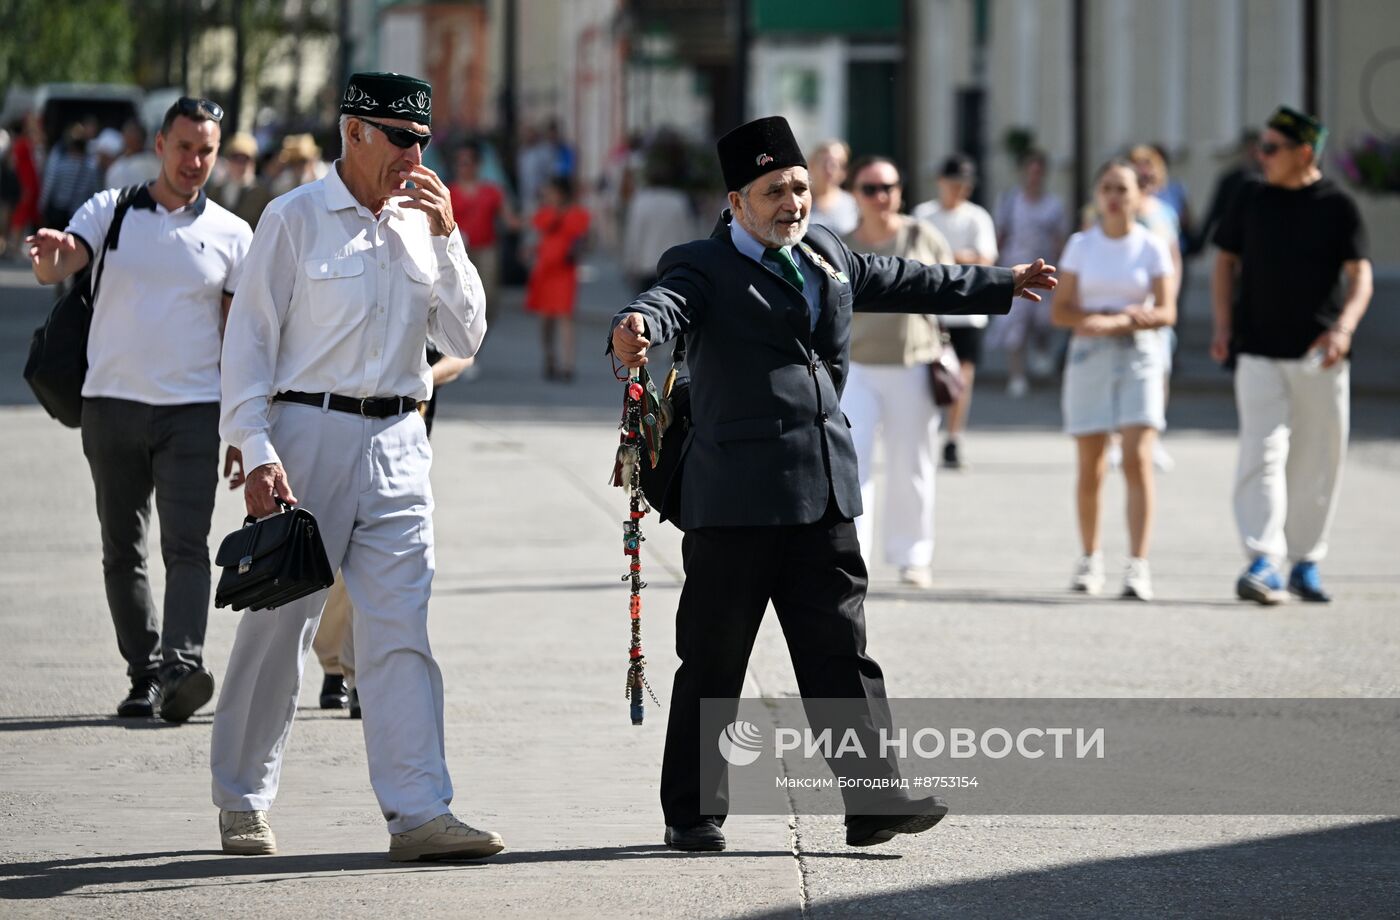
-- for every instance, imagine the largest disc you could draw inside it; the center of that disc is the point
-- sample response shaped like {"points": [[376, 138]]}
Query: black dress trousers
{"points": [[816, 580]]}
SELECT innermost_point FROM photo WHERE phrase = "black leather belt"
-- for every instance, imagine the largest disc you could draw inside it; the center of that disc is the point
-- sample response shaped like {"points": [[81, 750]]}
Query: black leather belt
{"points": [[369, 406]]}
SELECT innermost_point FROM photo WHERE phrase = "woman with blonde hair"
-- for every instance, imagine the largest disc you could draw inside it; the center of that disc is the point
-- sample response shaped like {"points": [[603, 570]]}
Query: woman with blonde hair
{"points": [[1115, 294], [887, 390]]}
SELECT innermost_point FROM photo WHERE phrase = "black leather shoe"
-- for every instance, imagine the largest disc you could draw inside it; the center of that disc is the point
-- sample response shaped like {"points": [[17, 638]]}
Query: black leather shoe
{"points": [[704, 837], [183, 690], [354, 704], [333, 695], [919, 816], [140, 702]]}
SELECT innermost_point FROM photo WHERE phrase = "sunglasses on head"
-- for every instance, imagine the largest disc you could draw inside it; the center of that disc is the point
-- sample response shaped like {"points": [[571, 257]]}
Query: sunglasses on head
{"points": [[199, 108], [1269, 148], [402, 137], [871, 189]]}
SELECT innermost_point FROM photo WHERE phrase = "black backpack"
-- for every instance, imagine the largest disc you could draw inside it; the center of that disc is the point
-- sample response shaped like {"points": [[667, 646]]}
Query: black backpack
{"points": [[57, 364], [662, 484]]}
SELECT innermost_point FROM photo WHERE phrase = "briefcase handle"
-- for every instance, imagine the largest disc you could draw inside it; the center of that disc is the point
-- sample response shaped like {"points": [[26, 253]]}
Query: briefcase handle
{"points": [[246, 562], [249, 520]]}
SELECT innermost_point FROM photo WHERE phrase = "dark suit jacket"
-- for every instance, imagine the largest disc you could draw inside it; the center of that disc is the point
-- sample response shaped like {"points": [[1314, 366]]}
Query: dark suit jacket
{"points": [[769, 444]]}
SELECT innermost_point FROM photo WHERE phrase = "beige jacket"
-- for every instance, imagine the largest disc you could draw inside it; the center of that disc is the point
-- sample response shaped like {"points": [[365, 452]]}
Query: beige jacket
{"points": [[901, 338]]}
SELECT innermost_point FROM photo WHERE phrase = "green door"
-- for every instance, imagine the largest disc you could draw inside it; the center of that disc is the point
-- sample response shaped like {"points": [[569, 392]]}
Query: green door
{"points": [[872, 95]]}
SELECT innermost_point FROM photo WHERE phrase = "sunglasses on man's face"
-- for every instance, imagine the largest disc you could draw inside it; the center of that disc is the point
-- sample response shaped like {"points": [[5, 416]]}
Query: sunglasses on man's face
{"points": [[199, 108], [1269, 148], [871, 189], [402, 137]]}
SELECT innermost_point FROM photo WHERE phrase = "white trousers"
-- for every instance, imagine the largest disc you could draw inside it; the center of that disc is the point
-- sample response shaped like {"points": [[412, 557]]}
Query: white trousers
{"points": [[334, 643], [1294, 423], [895, 403], [366, 481]]}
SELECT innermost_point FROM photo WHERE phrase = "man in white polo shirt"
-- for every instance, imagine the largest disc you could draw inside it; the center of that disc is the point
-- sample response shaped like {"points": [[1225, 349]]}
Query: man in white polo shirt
{"points": [[151, 399]]}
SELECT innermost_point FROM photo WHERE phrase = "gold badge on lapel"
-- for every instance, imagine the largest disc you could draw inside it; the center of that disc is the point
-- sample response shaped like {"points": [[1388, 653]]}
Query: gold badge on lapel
{"points": [[823, 264]]}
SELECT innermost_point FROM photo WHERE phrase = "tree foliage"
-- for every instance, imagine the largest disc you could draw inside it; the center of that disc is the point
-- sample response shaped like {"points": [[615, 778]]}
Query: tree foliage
{"points": [[42, 41]]}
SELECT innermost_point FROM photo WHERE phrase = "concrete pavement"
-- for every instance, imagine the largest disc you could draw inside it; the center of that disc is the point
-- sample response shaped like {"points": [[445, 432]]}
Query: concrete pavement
{"points": [[105, 818]]}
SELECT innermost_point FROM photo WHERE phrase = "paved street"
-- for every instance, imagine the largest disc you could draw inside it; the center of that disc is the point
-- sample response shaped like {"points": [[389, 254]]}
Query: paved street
{"points": [[102, 818]]}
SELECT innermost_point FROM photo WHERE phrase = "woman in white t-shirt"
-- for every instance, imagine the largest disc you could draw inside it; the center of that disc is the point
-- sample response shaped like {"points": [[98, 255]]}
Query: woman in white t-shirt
{"points": [[1115, 292]]}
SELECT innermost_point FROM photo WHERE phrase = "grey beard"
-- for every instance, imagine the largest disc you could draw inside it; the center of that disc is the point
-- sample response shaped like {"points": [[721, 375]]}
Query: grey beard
{"points": [[772, 238]]}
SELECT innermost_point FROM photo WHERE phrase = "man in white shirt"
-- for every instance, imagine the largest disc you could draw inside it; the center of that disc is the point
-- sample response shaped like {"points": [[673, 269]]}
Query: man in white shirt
{"points": [[151, 399], [969, 230], [324, 369], [136, 164], [659, 216]]}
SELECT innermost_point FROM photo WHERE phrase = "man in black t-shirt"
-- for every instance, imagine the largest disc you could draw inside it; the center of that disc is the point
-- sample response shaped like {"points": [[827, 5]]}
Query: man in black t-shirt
{"points": [[1291, 283]]}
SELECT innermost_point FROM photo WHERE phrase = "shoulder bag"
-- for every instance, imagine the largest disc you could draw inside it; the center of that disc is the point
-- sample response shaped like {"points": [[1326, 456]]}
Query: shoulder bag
{"points": [[57, 364]]}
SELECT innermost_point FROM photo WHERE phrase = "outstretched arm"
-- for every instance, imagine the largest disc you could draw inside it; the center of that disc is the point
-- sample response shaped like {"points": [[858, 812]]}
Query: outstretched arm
{"points": [[885, 284]]}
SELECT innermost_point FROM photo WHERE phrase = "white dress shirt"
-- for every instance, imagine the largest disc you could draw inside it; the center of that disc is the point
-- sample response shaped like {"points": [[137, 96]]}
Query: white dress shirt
{"points": [[336, 300], [657, 219]]}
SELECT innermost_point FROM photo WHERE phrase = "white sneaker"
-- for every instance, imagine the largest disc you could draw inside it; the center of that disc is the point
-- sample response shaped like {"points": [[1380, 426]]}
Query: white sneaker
{"points": [[916, 576], [246, 833], [1040, 362], [1161, 459], [444, 837], [1017, 387], [1137, 580], [1088, 574]]}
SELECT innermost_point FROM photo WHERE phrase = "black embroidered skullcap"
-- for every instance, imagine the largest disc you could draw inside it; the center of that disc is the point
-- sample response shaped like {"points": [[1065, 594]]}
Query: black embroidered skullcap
{"points": [[1299, 127], [759, 147], [388, 95]]}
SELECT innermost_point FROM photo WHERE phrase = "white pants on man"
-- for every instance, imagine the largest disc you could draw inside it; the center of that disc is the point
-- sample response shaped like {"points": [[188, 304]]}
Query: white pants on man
{"points": [[366, 481], [1294, 422], [895, 401], [334, 643]]}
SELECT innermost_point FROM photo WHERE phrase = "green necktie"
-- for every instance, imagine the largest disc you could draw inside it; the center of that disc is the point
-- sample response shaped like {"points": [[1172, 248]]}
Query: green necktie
{"points": [[782, 260]]}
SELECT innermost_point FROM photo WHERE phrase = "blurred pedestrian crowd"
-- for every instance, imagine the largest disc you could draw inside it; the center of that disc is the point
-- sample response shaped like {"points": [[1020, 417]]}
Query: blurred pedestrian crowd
{"points": [[1284, 235], [1107, 334]]}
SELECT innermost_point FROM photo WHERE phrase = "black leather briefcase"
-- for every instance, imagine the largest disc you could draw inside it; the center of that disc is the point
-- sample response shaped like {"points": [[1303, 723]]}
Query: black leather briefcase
{"points": [[271, 562]]}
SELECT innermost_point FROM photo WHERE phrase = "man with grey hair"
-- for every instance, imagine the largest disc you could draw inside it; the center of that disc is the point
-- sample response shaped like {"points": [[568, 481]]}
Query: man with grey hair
{"points": [[767, 486], [324, 371]]}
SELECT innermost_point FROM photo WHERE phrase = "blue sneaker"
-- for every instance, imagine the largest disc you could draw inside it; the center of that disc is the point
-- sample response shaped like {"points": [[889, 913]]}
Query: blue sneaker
{"points": [[1305, 583], [1261, 583]]}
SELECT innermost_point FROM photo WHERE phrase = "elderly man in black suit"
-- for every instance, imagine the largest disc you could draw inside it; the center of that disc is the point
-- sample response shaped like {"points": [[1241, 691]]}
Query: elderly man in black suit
{"points": [[767, 483]]}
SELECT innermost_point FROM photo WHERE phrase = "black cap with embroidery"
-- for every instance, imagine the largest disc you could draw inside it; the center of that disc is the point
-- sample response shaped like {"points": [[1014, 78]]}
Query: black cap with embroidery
{"points": [[1299, 127], [756, 148], [388, 95]]}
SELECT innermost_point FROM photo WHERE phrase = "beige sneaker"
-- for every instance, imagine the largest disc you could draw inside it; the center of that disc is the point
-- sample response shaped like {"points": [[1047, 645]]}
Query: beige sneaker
{"points": [[246, 833], [444, 837]]}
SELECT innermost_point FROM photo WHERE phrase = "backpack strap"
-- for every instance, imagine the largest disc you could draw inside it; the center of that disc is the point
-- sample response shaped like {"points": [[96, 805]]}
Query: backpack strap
{"points": [[114, 232]]}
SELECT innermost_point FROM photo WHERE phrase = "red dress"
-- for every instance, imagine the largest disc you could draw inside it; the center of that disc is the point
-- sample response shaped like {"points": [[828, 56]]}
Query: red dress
{"points": [[26, 213], [554, 277]]}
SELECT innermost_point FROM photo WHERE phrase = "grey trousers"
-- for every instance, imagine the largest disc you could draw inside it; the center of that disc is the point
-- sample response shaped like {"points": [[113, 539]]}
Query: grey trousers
{"points": [[133, 449]]}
